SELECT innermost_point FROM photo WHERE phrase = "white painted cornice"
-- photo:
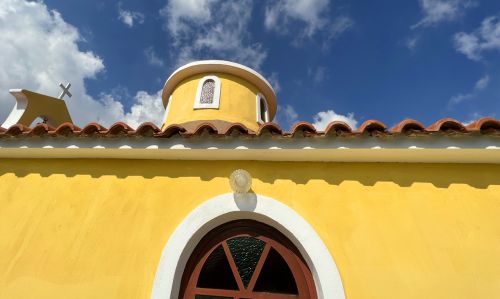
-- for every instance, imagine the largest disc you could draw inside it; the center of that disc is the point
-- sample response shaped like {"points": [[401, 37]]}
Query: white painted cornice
{"points": [[426, 149]]}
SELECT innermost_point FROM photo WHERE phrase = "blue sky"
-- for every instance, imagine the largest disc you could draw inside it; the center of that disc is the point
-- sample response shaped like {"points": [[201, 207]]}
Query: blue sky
{"points": [[328, 60]]}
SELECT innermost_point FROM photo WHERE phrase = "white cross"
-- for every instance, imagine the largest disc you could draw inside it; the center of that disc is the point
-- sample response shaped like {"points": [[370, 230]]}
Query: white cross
{"points": [[65, 90]]}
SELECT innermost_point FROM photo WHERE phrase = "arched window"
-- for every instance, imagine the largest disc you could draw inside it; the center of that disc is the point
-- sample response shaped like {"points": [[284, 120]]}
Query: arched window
{"points": [[208, 93], [246, 259], [262, 111]]}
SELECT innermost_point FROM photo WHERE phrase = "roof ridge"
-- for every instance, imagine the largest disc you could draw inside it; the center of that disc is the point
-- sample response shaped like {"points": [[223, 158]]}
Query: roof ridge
{"points": [[407, 127]]}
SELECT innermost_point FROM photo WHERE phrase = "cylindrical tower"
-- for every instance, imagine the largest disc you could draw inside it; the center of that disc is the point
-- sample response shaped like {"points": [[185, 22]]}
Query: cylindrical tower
{"points": [[216, 90]]}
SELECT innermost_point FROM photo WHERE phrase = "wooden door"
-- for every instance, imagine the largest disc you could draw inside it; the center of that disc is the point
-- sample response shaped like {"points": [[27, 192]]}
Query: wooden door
{"points": [[246, 259]]}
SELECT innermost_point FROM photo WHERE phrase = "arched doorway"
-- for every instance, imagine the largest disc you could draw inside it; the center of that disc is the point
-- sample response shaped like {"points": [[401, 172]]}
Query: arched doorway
{"points": [[246, 259]]}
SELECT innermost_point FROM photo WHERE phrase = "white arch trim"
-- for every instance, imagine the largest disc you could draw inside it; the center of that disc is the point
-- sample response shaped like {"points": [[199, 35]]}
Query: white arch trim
{"points": [[227, 207]]}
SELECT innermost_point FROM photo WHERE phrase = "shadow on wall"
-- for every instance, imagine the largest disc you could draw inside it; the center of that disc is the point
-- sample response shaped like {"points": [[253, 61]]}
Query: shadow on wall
{"points": [[367, 174]]}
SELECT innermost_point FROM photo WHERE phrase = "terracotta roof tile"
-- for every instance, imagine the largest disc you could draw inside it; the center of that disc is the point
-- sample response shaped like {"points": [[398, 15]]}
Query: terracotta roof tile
{"points": [[171, 131], [270, 128], [447, 125], [303, 129], [93, 129], [373, 128], [337, 128], [40, 130], [485, 125], [66, 129], [16, 130], [119, 128], [202, 128], [408, 127], [237, 129], [147, 129], [214, 127]]}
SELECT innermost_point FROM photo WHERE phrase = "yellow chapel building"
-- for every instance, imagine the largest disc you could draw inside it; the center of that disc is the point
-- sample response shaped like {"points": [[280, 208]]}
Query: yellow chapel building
{"points": [[220, 202]]}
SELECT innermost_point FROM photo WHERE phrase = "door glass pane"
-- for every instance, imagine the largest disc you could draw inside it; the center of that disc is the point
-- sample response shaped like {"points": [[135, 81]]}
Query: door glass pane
{"points": [[216, 272], [246, 253], [276, 276]]}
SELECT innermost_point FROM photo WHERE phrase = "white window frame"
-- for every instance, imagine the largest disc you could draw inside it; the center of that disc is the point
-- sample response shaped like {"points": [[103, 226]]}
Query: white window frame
{"points": [[261, 119], [216, 100]]}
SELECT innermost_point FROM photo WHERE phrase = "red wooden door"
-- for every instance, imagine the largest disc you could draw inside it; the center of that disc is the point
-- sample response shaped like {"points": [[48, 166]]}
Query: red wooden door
{"points": [[246, 260]]}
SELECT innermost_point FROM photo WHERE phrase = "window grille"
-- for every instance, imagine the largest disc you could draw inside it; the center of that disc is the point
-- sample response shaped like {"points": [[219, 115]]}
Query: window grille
{"points": [[208, 93]]}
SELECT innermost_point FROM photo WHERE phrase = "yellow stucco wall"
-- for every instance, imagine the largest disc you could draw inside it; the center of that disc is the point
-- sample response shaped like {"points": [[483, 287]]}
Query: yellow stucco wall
{"points": [[237, 102], [96, 228]]}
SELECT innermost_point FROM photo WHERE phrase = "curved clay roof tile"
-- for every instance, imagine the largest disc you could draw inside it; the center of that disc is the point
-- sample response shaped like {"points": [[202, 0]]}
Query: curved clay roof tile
{"points": [[119, 128], [40, 129], [92, 129], [147, 129], [447, 125], [303, 127], [408, 126], [207, 127], [66, 129], [337, 128], [16, 130], [171, 131], [485, 125], [237, 128], [373, 127], [271, 128]]}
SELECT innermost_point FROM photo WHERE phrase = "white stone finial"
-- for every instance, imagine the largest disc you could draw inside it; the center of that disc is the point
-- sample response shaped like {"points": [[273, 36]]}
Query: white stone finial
{"points": [[65, 90]]}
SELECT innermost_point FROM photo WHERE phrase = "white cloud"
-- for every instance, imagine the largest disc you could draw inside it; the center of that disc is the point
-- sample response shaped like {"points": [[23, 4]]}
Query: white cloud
{"points": [[411, 43], [323, 118], [152, 57], [475, 116], [310, 12], [459, 98], [467, 44], [212, 29], [286, 116], [129, 17], [146, 107], [339, 26], [181, 13], [482, 83], [318, 74], [485, 38], [437, 11], [275, 83], [40, 50]]}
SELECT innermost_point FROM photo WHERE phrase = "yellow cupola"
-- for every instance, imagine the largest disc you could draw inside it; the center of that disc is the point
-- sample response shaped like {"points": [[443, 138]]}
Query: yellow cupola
{"points": [[217, 90]]}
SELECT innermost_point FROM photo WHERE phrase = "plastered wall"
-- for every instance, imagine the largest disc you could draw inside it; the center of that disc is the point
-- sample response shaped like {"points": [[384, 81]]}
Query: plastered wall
{"points": [[96, 228]]}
